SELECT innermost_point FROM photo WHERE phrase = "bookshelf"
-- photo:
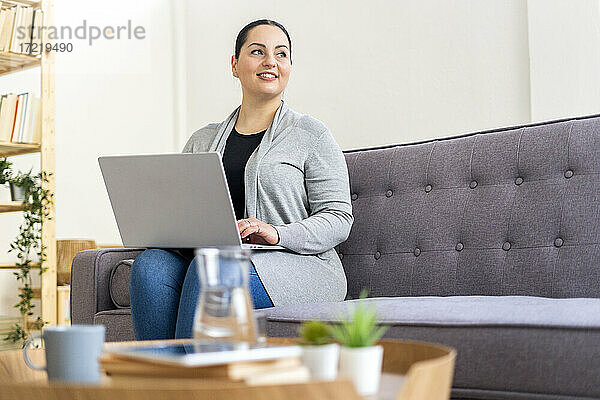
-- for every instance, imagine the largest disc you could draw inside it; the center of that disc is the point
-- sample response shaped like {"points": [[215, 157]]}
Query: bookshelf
{"points": [[16, 149], [10, 63], [31, 3], [11, 206], [13, 266]]}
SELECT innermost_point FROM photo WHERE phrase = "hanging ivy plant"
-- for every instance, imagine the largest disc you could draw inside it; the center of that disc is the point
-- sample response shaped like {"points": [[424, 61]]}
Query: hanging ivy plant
{"points": [[36, 210]]}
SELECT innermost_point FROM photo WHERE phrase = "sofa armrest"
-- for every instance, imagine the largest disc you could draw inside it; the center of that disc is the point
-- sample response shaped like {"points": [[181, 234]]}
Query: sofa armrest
{"points": [[90, 278]]}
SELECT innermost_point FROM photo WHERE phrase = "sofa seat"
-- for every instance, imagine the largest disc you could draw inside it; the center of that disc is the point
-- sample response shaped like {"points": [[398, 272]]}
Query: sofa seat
{"points": [[509, 347], [517, 342]]}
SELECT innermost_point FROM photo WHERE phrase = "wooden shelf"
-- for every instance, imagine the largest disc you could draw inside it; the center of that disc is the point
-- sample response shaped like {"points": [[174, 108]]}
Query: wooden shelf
{"points": [[8, 149], [31, 3], [12, 62], [14, 266], [11, 206]]}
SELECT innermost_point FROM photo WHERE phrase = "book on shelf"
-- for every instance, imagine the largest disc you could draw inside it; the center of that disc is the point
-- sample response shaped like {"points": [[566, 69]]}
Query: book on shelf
{"points": [[36, 34], [20, 118], [8, 104], [19, 17], [17, 118], [19, 28], [7, 18], [25, 100]]}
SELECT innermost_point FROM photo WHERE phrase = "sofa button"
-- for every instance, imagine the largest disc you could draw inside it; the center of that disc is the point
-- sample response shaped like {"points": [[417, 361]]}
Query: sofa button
{"points": [[417, 252], [389, 193], [518, 181], [459, 246], [341, 256], [377, 255], [568, 174], [506, 246], [428, 188], [558, 242], [354, 196], [473, 184]]}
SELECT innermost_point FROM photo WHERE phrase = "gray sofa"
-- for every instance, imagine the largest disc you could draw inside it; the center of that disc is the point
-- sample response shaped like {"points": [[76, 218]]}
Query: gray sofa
{"points": [[487, 242]]}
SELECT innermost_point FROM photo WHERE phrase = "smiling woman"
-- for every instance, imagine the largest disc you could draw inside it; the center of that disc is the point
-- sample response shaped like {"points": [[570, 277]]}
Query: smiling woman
{"points": [[289, 185]]}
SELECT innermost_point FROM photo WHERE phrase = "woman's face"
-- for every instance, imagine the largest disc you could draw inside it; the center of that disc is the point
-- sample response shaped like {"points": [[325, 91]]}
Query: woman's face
{"points": [[266, 50]]}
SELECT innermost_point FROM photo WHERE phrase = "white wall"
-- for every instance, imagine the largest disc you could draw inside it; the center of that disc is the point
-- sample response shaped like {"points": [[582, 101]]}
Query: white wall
{"points": [[375, 72], [112, 97], [564, 37]]}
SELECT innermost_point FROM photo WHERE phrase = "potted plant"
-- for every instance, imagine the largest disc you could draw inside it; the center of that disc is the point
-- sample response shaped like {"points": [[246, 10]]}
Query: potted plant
{"points": [[22, 185], [28, 244], [360, 358], [319, 353]]}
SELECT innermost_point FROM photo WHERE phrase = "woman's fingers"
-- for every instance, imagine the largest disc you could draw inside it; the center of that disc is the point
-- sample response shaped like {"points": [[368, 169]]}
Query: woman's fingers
{"points": [[246, 223], [254, 235], [249, 231], [256, 231], [250, 226]]}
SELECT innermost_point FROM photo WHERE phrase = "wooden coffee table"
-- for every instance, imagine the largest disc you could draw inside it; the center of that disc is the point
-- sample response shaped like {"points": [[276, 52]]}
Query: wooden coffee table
{"points": [[411, 371]]}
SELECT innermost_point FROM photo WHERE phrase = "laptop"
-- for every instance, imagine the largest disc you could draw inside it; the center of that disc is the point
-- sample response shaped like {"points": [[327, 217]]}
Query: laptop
{"points": [[173, 200]]}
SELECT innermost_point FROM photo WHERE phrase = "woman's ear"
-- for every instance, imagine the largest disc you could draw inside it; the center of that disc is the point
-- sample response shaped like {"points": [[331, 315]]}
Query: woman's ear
{"points": [[233, 66]]}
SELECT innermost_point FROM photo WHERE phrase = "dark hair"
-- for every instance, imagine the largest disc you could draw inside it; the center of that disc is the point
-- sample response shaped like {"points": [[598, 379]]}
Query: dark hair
{"points": [[243, 35]]}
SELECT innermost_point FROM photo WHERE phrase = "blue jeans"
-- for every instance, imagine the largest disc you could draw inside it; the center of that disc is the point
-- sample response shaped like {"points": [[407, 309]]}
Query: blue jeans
{"points": [[164, 288]]}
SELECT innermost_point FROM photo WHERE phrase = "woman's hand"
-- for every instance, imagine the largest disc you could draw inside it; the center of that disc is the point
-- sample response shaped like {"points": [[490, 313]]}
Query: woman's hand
{"points": [[256, 231]]}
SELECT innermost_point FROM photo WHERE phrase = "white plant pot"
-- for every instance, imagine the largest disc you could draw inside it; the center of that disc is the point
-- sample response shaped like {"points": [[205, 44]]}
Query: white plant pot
{"points": [[362, 365], [321, 361]]}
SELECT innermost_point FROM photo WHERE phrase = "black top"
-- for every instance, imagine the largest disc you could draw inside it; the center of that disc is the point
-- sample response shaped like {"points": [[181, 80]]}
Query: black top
{"points": [[238, 150]]}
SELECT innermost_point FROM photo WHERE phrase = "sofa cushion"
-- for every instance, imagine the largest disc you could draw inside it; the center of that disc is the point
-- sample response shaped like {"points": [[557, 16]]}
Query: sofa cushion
{"points": [[119, 284], [509, 345]]}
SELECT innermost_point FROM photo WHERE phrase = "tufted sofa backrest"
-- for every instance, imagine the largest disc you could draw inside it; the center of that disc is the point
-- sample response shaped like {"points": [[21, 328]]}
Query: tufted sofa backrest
{"points": [[514, 211]]}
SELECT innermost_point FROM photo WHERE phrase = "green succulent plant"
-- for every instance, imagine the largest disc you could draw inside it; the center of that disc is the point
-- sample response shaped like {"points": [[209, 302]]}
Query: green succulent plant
{"points": [[361, 327], [315, 333]]}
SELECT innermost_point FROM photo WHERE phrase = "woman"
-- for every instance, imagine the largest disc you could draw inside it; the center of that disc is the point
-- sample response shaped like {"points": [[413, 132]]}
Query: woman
{"points": [[289, 184]]}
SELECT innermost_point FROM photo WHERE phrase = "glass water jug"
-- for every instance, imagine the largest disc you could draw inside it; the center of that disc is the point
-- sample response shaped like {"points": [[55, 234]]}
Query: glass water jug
{"points": [[224, 310]]}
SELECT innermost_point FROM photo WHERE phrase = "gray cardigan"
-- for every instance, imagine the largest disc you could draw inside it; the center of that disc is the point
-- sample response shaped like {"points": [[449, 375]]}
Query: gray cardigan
{"points": [[297, 181]]}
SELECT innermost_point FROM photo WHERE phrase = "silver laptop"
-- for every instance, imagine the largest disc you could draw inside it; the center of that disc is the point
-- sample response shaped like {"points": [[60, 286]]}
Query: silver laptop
{"points": [[177, 200]]}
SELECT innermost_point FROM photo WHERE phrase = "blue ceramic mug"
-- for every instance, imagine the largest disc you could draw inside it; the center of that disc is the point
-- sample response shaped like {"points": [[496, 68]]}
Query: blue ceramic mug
{"points": [[72, 353]]}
